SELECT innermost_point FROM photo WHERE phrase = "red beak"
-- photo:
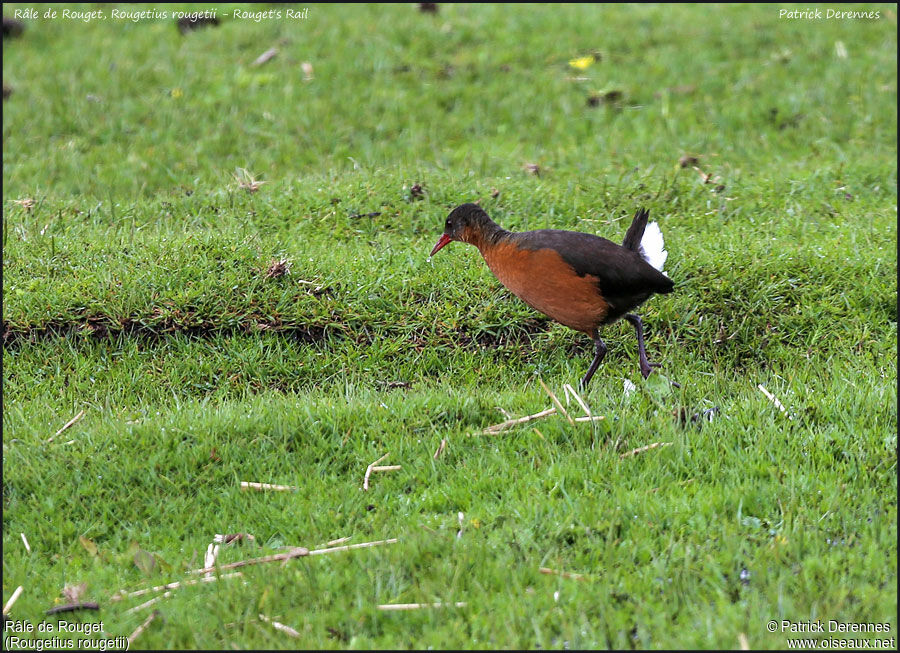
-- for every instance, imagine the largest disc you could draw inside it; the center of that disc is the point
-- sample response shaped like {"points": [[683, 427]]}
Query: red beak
{"points": [[443, 240]]}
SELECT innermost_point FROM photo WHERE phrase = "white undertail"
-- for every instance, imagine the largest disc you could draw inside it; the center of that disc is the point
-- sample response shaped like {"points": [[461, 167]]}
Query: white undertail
{"points": [[653, 248]]}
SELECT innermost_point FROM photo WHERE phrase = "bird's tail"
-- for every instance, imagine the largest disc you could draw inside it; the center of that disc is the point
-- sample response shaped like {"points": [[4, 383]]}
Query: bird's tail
{"points": [[646, 240], [653, 249], [636, 230]]}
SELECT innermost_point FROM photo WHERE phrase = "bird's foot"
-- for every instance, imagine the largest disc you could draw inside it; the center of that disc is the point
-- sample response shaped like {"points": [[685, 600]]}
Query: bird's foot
{"points": [[647, 367]]}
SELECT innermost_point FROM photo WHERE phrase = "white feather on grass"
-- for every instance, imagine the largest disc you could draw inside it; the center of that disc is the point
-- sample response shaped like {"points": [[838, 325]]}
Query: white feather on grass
{"points": [[653, 248]]}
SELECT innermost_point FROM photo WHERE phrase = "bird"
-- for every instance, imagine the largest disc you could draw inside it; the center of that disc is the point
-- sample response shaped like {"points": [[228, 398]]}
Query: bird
{"points": [[580, 280]]}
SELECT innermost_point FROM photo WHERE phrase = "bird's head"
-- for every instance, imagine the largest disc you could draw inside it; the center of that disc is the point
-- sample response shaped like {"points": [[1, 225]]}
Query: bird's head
{"points": [[466, 223]]}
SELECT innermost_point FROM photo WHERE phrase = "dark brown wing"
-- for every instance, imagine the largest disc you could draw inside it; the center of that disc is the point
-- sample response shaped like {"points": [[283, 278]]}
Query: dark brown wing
{"points": [[624, 278]]}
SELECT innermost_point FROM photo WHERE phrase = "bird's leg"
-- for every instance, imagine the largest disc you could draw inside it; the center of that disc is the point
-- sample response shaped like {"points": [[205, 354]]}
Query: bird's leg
{"points": [[646, 366], [599, 353]]}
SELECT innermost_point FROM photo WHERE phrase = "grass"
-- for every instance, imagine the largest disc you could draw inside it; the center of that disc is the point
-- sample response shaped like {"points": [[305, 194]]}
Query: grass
{"points": [[135, 288]]}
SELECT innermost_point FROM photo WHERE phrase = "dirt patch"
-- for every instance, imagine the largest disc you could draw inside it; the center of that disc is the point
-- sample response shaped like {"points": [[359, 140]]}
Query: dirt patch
{"points": [[154, 329], [99, 328]]}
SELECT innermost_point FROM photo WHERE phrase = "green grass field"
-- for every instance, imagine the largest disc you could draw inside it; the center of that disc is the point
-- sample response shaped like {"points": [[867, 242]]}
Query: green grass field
{"points": [[136, 289]]}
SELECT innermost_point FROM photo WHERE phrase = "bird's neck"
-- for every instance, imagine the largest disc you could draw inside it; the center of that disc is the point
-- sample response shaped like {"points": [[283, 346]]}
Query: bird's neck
{"points": [[487, 236]]}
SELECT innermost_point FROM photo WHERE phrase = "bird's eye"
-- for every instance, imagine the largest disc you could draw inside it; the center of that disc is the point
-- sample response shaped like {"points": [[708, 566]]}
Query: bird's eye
{"points": [[448, 223]]}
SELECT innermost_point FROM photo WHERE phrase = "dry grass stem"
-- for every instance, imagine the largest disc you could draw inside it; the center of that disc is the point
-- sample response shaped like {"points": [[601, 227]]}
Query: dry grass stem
{"points": [[265, 56], [387, 468], [137, 631], [417, 606], [347, 547], [496, 428], [250, 485], [212, 553], [66, 425], [25, 542], [634, 452], [774, 400], [440, 449], [279, 626], [147, 604], [555, 401], [369, 471], [122, 594], [570, 390], [295, 552], [12, 599], [703, 175]]}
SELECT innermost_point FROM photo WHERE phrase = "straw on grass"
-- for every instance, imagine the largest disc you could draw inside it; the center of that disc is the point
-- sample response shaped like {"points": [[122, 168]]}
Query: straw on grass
{"points": [[296, 552], [25, 542], [250, 485], [774, 400], [496, 428], [505, 414], [122, 594], [417, 606], [265, 56], [66, 425], [279, 626], [212, 553], [634, 452], [137, 631], [440, 449], [386, 468], [369, 471], [555, 401], [147, 604], [348, 547], [570, 390], [12, 599]]}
